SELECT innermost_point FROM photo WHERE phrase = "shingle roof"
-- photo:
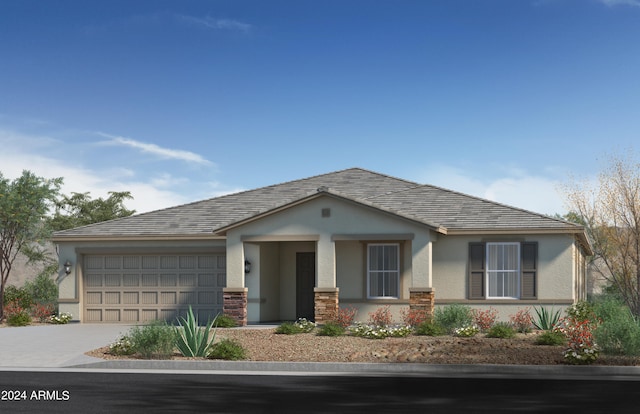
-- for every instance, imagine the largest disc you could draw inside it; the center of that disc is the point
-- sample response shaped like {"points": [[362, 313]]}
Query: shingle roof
{"points": [[428, 204]]}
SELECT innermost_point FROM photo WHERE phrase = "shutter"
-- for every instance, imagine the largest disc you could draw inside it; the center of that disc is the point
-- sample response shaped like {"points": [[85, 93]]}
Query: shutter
{"points": [[529, 269], [476, 270]]}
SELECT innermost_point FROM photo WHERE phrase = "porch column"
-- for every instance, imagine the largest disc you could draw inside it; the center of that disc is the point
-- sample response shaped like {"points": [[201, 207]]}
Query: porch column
{"points": [[422, 299], [421, 292], [326, 304], [235, 294], [235, 304], [326, 291]]}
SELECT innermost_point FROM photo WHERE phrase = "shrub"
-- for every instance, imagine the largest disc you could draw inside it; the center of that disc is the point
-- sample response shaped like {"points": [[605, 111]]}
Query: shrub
{"points": [[451, 317], [344, 316], [20, 296], [501, 330], [156, 340], [331, 329], [302, 325], [43, 289], [122, 346], [42, 312], [553, 338], [381, 316], [227, 349], [581, 311], [413, 317], [430, 328], [466, 331], [521, 321], [582, 348], [18, 318], [484, 319], [191, 339], [546, 320], [381, 332], [619, 332], [61, 319], [578, 328], [225, 321]]}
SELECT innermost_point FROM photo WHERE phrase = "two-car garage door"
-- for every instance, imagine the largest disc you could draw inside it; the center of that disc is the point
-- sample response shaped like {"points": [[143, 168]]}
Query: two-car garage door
{"points": [[140, 288]]}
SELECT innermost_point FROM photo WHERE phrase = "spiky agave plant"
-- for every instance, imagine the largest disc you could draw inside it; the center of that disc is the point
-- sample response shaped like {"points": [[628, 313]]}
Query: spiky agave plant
{"points": [[193, 340]]}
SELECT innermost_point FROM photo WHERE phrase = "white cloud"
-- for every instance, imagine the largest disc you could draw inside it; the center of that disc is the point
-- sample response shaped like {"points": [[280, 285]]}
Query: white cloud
{"points": [[44, 157], [154, 149], [212, 23], [612, 3], [516, 188]]}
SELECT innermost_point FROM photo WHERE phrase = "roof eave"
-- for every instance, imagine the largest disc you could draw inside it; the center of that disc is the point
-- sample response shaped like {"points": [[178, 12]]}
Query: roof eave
{"points": [[159, 237]]}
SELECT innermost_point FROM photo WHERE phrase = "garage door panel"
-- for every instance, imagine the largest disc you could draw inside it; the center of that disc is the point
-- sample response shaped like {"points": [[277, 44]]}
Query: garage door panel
{"points": [[168, 280], [94, 298], [149, 280], [131, 280], [112, 279], [112, 315], [188, 280], [112, 298], [131, 298], [143, 288], [169, 298]]}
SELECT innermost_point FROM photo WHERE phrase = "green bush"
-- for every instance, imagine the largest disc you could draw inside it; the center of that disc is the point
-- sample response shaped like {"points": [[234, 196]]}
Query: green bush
{"points": [[619, 332], [581, 311], [288, 328], [156, 340], [43, 290], [227, 349], [546, 320], [430, 328], [193, 340], [21, 318], [225, 321], [501, 330], [331, 329], [300, 326], [552, 338], [19, 296], [452, 317], [123, 346]]}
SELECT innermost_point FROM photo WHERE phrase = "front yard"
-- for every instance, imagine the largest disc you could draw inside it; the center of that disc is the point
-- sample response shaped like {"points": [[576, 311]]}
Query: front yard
{"points": [[266, 345]]}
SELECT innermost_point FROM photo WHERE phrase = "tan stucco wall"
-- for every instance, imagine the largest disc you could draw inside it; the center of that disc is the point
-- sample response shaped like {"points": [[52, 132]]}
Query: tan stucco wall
{"points": [[70, 286], [555, 265]]}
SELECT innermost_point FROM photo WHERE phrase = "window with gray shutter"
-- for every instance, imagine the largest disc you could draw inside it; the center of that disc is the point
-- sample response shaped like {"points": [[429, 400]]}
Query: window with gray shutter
{"points": [[503, 270]]}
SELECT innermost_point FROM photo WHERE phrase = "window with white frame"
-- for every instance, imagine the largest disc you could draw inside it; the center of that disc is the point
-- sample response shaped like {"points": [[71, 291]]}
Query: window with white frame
{"points": [[383, 270], [503, 270]]}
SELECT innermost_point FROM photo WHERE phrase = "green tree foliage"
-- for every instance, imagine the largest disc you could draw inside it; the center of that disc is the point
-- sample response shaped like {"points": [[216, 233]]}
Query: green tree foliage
{"points": [[24, 204], [80, 210], [610, 214]]}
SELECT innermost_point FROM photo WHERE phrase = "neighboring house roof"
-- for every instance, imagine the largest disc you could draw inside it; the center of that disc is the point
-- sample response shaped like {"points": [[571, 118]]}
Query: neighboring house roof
{"points": [[440, 209]]}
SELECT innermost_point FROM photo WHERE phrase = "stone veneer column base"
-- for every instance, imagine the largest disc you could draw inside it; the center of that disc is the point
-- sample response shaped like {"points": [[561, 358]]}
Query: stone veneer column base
{"points": [[235, 304], [326, 304], [422, 299]]}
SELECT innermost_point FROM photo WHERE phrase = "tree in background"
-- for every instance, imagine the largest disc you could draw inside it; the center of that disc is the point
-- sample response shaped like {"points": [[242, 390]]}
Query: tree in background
{"points": [[24, 204], [80, 210], [610, 213]]}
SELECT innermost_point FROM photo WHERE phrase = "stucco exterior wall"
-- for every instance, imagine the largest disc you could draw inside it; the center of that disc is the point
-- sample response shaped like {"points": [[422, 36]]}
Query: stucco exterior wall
{"points": [[555, 266]]}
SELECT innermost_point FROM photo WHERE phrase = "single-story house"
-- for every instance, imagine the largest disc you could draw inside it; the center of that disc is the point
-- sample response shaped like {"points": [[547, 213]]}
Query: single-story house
{"points": [[351, 238]]}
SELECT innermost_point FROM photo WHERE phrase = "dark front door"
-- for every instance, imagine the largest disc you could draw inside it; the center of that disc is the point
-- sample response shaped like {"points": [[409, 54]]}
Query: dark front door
{"points": [[305, 282]]}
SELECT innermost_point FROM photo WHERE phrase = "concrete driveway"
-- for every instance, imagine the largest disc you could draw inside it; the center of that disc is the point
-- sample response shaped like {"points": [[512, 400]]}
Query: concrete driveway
{"points": [[54, 345]]}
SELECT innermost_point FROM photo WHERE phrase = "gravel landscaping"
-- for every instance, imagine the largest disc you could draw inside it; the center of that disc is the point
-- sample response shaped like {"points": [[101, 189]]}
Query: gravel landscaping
{"points": [[266, 345]]}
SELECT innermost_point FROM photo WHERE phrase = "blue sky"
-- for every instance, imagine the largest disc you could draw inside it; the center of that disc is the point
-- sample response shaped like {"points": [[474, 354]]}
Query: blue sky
{"points": [[178, 101]]}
